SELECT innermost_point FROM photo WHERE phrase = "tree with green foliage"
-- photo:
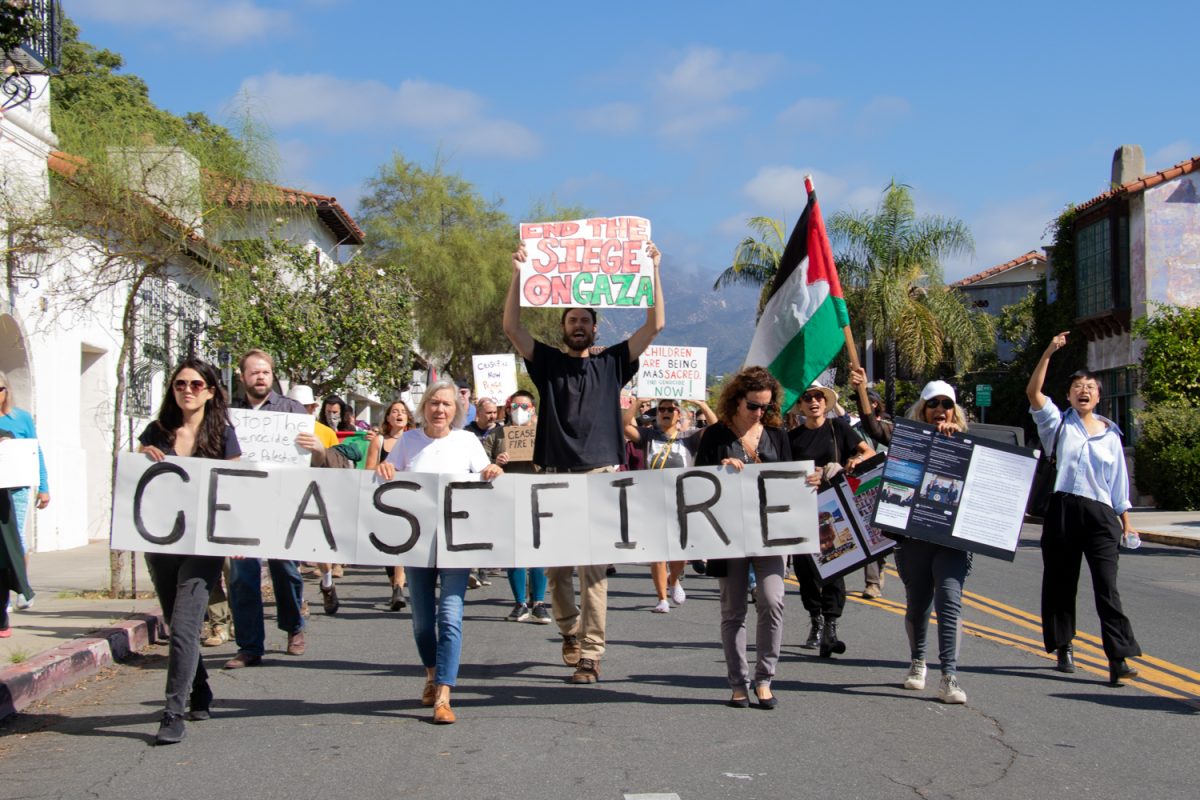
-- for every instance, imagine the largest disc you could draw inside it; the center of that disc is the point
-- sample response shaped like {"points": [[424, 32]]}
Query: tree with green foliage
{"points": [[890, 265], [756, 259], [1171, 358], [328, 325], [18, 25]]}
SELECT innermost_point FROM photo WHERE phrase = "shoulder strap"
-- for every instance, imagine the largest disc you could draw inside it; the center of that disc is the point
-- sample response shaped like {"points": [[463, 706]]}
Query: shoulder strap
{"points": [[1057, 434]]}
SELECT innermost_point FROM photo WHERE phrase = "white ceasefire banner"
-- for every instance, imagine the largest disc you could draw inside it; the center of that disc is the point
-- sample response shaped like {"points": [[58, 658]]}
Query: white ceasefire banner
{"points": [[195, 506], [19, 463], [270, 436], [595, 263], [495, 377], [671, 371]]}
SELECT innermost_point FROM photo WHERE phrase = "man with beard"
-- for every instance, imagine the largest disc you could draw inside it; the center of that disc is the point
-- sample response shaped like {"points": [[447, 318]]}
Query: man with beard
{"points": [[579, 429], [245, 584]]}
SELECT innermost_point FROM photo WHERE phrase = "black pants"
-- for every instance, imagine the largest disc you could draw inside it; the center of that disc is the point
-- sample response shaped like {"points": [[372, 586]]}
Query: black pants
{"points": [[827, 600], [183, 585], [1077, 527]]}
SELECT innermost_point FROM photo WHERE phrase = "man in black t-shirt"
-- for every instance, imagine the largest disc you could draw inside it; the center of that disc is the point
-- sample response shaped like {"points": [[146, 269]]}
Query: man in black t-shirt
{"points": [[579, 429]]}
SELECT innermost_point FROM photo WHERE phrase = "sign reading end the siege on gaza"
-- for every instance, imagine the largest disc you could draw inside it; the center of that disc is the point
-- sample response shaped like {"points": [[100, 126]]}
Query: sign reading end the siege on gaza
{"points": [[592, 263]]}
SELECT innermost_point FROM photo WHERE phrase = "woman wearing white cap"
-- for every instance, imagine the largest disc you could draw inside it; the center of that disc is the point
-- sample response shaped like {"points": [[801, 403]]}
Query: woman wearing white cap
{"points": [[934, 575]]}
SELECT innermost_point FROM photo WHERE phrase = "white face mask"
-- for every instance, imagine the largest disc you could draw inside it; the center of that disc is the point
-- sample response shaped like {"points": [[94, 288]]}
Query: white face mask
{"points": [[522, 416]]}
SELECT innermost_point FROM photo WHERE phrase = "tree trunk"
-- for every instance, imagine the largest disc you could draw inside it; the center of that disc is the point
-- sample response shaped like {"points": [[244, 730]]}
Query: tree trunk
{"points": [[890, 370]]}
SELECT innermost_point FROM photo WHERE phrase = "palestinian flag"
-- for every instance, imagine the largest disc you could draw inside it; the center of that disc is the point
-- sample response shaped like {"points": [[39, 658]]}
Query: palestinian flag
{"points": [[800, 330]]}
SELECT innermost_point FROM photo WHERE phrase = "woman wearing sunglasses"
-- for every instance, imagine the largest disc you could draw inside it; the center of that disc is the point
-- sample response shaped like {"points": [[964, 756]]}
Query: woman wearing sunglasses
{"points": [[192, 421], [748, 432], [528, 584], [832, 445], [934, 575]]}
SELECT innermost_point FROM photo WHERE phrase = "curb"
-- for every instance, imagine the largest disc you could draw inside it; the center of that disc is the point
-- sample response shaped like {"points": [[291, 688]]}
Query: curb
{"points": [[1190, 542], [26, 683]]}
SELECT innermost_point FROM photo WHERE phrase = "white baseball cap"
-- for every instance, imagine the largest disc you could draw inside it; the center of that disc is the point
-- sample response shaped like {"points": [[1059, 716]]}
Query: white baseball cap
{"points": [[938, 389], [302, 394]]}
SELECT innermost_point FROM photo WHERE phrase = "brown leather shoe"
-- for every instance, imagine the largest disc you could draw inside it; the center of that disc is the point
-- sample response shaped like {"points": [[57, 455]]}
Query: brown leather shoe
{"points": [[295, 645], [243, 660], [329, 599], [429, 694], [588, 671], [571, 649], [443, 714]]}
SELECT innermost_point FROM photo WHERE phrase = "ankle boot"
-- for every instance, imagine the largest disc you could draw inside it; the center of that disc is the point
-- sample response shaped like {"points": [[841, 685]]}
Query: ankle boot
{"points": [[830, 644], [814, 633], [1065, 659]]}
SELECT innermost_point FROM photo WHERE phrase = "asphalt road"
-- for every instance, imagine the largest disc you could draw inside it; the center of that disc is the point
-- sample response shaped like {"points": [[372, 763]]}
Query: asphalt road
{"points": [[345, 720]]}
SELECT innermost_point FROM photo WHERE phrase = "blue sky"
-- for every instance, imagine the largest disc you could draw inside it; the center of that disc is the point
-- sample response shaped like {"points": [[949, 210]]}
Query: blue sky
{"points": [[696, 115]]}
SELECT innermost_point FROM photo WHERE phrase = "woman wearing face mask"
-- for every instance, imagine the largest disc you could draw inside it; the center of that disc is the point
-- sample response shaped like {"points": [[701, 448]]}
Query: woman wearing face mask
{"points": [[934, 575], [396, 420], [1087, 516], [528, 584]]}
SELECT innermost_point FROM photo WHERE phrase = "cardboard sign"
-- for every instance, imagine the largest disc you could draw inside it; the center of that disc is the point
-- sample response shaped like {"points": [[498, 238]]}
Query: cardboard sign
{"points": [[675, 372], [270, 436], [224, 508], [19, 463], [590, 263], [518, 442], [495, 376]]}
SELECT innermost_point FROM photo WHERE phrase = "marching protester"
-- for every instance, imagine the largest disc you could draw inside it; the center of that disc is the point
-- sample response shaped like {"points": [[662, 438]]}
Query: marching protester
{"points": [[192, 421], [933, 574], [337, 414], [1087, 516], [528, 584], [396, 420], [438, 446], [19, 423], [666, 444], [486, 420], [12, 554], [257, 372], [579, 430], [876, 426], [832, 445], [748, 431]]}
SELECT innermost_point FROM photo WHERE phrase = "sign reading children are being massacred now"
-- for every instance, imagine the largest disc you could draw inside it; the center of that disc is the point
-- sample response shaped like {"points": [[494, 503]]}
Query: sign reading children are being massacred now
{"points": [[594, 263]]}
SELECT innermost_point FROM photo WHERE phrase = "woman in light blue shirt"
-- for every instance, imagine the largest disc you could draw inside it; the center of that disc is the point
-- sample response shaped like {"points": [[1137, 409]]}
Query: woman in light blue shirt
{"points": [[1088, 513]]}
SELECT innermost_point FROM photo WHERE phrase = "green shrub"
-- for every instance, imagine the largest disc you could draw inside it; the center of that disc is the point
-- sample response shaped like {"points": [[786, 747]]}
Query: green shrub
{"points": [[1167, 455]]}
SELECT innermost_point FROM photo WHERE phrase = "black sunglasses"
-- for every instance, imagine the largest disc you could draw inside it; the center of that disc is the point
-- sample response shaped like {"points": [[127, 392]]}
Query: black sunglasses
{"points": [[945, 403], [752, 406], [197, 386], [807, 398]]}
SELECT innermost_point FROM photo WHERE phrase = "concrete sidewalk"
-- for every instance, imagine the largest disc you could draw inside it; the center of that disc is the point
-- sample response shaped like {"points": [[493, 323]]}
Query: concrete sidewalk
{"points": [[72, 630]]}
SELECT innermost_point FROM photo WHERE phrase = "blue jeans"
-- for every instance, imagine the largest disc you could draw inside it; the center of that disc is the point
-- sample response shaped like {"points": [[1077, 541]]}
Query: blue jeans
{"points": [[245, 601], [933, 577], [536, 583], [20, 503], [437, 619]]}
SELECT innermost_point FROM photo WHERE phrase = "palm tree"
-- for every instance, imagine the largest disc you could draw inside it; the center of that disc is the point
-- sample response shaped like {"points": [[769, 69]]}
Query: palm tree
{"points": [[890, 266], [756, 260]]}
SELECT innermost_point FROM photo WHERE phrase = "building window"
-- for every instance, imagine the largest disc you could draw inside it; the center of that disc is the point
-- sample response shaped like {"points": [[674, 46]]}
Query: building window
{"points": [[1093, 268], [1120, 387]]}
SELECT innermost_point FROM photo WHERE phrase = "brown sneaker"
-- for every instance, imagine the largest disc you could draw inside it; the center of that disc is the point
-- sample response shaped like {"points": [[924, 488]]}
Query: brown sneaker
{"points": [[571, 649], [243, 660], [295, 645], [216, 637], [872, 591], [588, 671]]}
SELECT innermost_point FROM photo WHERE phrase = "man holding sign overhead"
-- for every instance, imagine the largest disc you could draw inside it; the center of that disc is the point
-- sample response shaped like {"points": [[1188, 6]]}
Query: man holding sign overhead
{"points": [[579, 426]]}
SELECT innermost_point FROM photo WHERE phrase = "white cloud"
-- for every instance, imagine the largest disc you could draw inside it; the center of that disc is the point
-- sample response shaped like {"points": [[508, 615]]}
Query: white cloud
{"points": [[687, 124], [779, 191], [1006, 230], [219, 22], [455, 117], [614, 118], [881, 112], [1169, 155], [694, 94]]}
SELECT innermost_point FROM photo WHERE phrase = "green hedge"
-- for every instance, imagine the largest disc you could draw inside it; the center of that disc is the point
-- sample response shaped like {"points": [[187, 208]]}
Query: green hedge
{"points": [[1167, 455]]}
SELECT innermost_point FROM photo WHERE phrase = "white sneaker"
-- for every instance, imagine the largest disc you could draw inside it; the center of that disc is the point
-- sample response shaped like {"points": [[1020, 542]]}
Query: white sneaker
{"points": [[22, 603], [663, 607], [678, 595], [950, 692], [916, 676]]}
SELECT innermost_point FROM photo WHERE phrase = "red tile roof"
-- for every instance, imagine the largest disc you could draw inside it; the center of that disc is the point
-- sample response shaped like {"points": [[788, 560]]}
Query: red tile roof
{"points": [[248, 194], [1031, 256], [1145, 182]]}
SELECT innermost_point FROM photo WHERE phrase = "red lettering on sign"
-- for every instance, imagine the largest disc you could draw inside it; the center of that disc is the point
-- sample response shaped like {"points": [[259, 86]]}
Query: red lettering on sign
{"points": [[546, 247], [630, 260]]}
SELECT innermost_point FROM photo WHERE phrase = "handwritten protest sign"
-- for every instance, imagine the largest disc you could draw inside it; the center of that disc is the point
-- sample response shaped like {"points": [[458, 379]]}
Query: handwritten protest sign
{"points": [[518, 442], [270, 436], [495, 376], [266, 510], [597, 263], [677, 372], [18, 463]]}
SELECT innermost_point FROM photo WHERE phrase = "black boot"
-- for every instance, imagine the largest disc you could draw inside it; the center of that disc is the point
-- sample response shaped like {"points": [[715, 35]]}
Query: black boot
{"points": [[1119, 671], [170, 730], [814, 633], [1066, 659], [830, 644]]}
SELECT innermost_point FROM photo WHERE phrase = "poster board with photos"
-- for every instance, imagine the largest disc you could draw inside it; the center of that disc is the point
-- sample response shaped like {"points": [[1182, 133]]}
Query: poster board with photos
{"points": [[958, 491], [845, 545]]}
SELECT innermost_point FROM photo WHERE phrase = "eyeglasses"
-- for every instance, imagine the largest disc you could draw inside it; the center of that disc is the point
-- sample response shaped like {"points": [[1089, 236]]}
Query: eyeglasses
{"points": [[752, 406], [515, 406], [196, 386], [808, 398], [668, 409], [944, 402]]}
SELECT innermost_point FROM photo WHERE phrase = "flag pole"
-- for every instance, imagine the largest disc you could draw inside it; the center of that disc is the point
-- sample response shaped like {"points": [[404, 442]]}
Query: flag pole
{"points": [[864, 402]]}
